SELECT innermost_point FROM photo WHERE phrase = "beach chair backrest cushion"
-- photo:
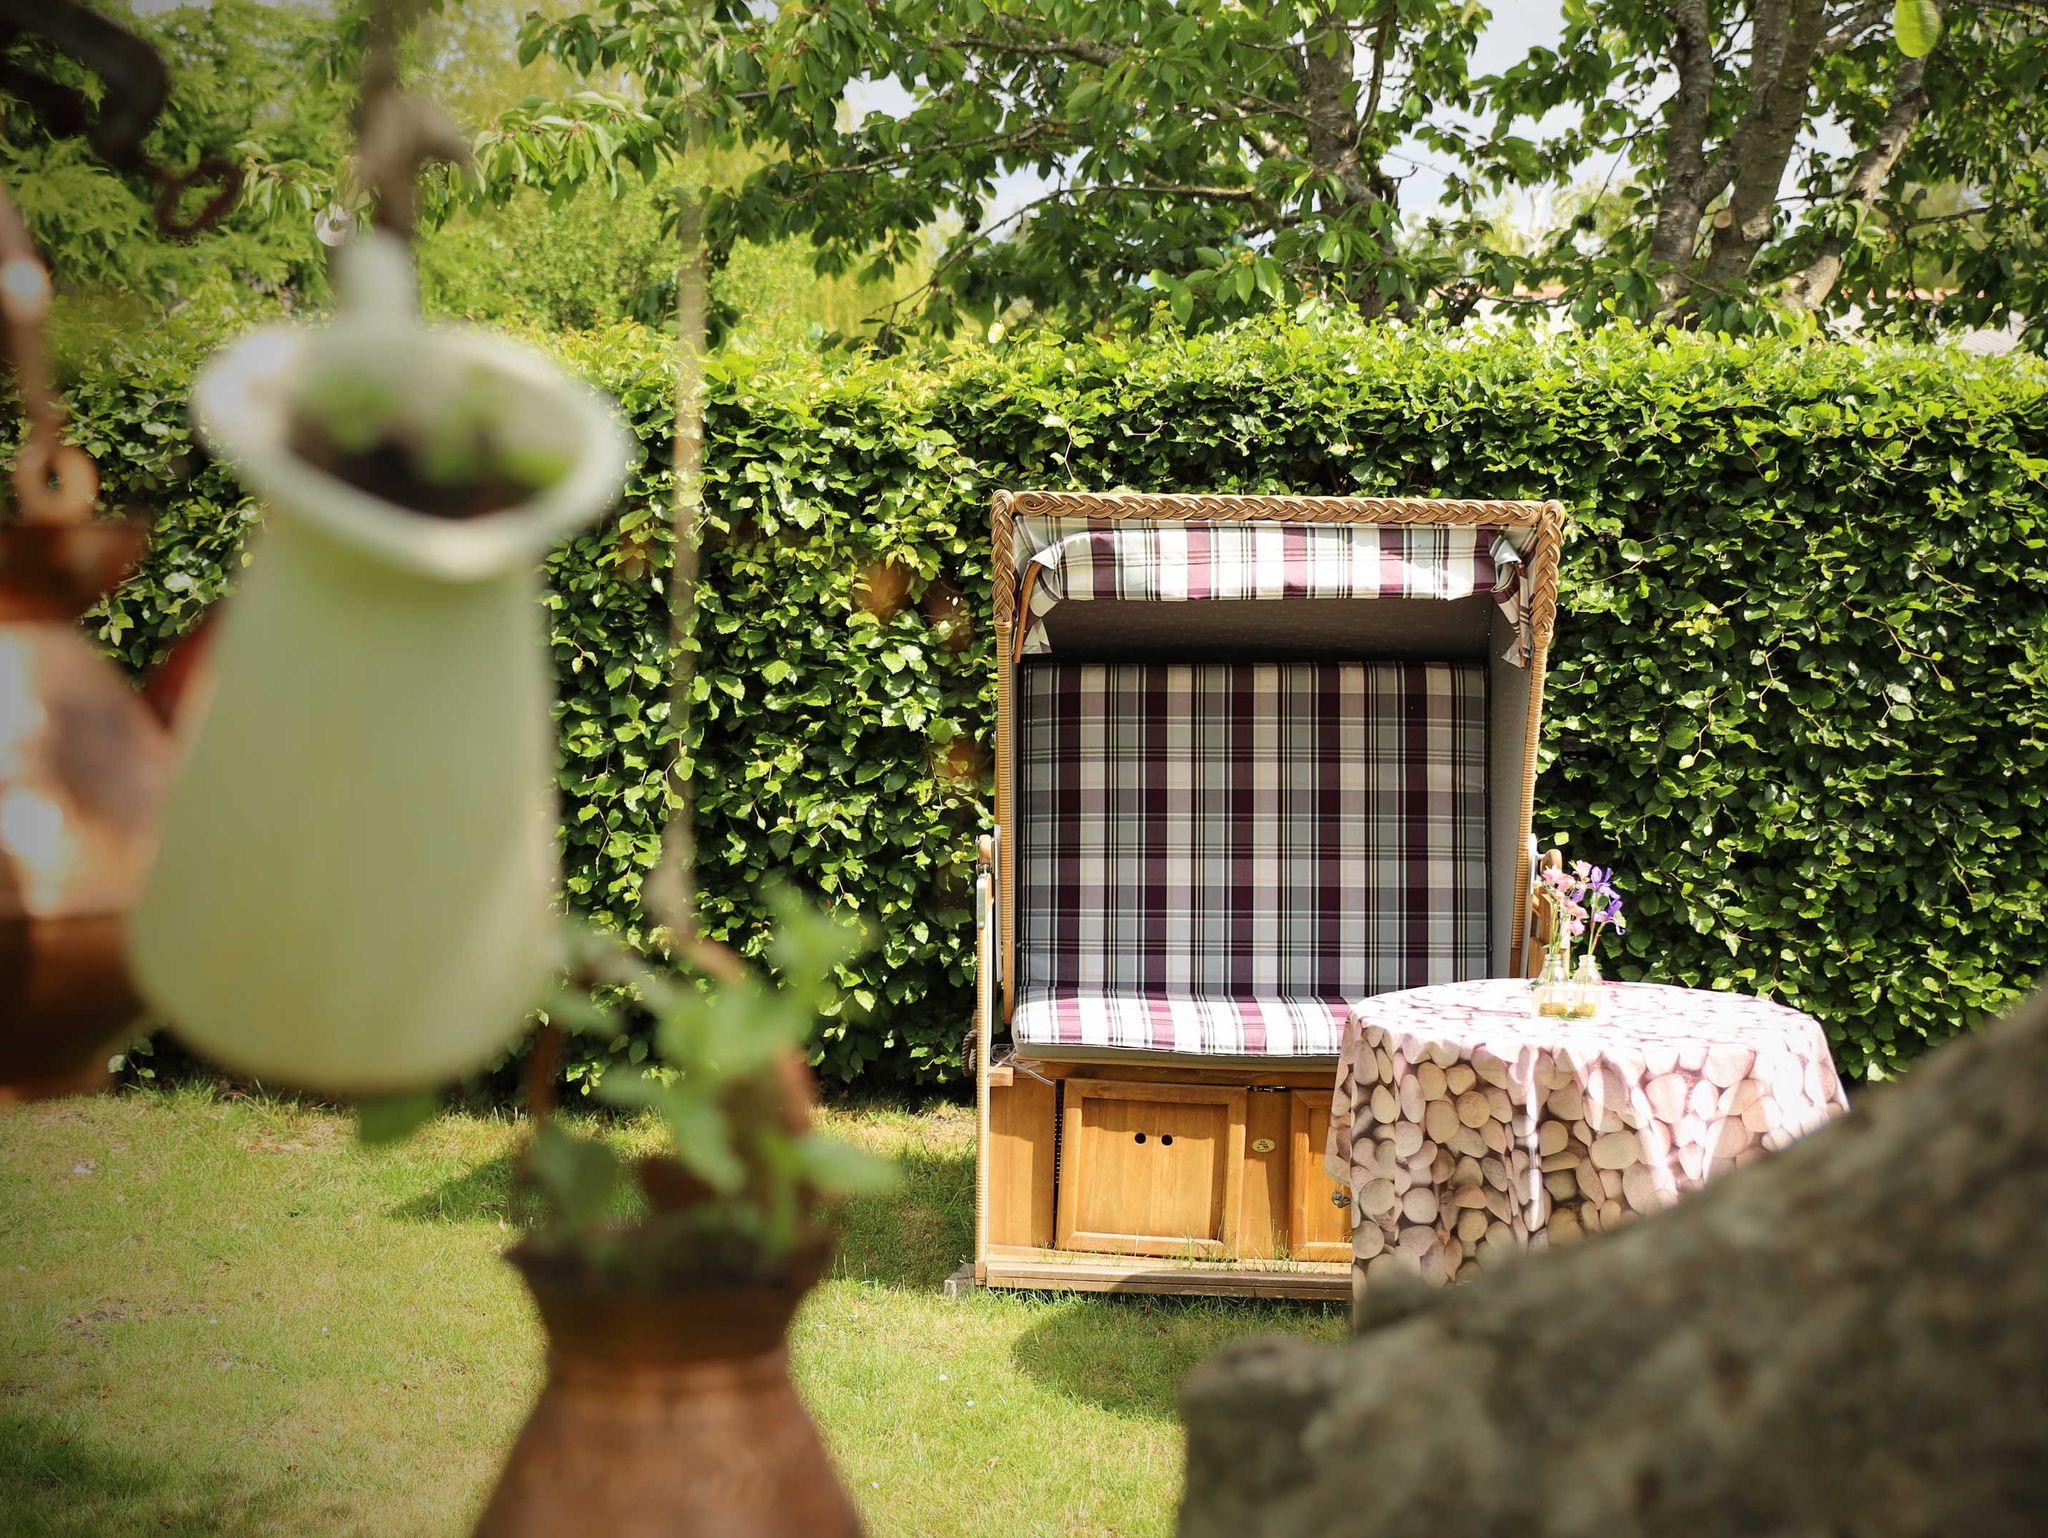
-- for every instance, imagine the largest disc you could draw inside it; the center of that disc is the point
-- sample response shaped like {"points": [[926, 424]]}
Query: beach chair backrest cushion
{"points": [[1234, 836]]}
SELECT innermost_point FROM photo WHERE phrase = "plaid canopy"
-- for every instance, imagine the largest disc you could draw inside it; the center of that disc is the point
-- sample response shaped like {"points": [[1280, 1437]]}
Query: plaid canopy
{"points": [[1215, 857], [1179, 562]]}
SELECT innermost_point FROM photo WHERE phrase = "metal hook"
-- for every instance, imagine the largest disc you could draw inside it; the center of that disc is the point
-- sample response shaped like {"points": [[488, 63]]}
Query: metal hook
{"points": [[137, 86], [172, 187], [397, 135]]}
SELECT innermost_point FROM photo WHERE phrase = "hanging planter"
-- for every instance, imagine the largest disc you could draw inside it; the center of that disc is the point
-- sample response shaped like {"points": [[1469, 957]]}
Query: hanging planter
{"points": [[83, 765], [353, 889]]}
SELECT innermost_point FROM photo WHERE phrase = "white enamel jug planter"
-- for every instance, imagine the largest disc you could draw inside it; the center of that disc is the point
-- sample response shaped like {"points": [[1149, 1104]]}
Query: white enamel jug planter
{"points": [[353, 889]]}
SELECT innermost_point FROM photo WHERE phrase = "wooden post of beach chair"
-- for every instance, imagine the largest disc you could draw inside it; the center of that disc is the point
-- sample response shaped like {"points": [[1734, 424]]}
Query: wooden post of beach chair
{"points": [[1255, 756]]}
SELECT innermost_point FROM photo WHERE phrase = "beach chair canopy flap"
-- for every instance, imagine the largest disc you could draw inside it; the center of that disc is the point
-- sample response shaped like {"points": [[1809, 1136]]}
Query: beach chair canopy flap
{"points": [[1325, 574], [1304, 629]]}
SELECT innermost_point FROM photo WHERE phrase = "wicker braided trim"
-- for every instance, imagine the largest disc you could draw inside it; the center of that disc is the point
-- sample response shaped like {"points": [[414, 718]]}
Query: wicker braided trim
{"points": [[1541, 559], [1003, 525], [1003, 566], [1169, 505]]}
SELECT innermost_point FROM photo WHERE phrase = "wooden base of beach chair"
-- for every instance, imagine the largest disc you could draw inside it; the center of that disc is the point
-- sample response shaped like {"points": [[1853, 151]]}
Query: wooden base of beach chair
{"points": [[1107, 1178]]}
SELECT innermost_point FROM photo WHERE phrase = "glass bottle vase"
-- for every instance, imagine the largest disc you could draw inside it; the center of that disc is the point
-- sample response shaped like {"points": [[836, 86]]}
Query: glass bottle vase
{"points": [[1587, 989], [1552, 994]]}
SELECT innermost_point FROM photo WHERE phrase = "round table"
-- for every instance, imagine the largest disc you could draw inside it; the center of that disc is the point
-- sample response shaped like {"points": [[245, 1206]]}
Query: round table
{"points": [[1463, 1126]]}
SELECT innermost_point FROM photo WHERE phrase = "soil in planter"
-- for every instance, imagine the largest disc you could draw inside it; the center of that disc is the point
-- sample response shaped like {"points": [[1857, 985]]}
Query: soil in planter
{"points": [[392, 468]]}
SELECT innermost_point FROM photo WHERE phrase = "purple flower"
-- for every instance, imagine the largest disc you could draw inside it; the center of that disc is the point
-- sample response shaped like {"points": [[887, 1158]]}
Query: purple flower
{"points": [[1586, 899]]}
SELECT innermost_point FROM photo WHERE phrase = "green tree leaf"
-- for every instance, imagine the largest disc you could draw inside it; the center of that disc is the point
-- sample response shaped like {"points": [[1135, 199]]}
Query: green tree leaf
{"points": [[1917, 24]]}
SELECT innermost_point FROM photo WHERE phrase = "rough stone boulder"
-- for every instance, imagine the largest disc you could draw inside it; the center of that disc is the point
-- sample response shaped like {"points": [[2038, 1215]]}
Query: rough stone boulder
{"points": [[1845, 1340]]}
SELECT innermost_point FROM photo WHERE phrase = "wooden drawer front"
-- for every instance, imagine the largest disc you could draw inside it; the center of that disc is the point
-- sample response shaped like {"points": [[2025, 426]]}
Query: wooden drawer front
{"points": [[1317, 1228], [1151, 1169]]}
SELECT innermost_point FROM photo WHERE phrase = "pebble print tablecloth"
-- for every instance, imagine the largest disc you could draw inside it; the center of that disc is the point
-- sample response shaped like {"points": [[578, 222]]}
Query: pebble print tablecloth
{"points": [[1463, 1125]]}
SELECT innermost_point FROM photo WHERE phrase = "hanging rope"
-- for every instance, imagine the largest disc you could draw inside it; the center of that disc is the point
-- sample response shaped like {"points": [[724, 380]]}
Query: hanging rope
{"points": [[669, 892]]}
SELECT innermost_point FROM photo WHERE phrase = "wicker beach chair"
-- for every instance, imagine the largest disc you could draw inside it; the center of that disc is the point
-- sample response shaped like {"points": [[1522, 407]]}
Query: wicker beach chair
{"points": [[1255, 757]]}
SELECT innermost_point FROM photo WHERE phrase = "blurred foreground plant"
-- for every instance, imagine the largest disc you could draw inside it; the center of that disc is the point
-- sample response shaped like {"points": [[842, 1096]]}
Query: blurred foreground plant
{"points": [[739, 1189]]}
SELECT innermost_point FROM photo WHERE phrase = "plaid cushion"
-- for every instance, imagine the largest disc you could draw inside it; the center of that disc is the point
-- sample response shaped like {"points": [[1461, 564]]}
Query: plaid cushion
{"points": [[1158, 1022], [1207, 840], [1179, 562]]}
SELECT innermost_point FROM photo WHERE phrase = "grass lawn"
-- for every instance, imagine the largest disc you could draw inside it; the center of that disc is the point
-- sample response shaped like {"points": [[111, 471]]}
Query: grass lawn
{"points": [[218, 1315]]}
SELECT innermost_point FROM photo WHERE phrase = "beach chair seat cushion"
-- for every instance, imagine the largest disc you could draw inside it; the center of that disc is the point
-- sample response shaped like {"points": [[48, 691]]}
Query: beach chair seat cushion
{"points": [[1071, 1020]]}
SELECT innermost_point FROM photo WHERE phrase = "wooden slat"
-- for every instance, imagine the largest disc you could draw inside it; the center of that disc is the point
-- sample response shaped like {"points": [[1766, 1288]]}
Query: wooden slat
{"points": [[1125, 1087], [1189, 1072], [1021, 1127], [1053, 1271], [1263, 1231], [1003, 554], [984, 1048], [1317, 1228]]}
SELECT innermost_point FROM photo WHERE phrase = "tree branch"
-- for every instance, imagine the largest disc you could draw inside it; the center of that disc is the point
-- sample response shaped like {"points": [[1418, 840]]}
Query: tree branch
{"points": [[1268, 146], [956, 254], [1018, 139], [1956, 216], [1852, 27], [1382, 47], [1810, 289], [2031, 10], [1080, 50], [1715, 175], [1333, 131]]}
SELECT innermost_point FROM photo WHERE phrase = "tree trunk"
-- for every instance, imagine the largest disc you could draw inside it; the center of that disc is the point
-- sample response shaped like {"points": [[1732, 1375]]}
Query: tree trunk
{"points": [[1684, 196], [1784, 37], [1850, 1337], [1336, 128]]}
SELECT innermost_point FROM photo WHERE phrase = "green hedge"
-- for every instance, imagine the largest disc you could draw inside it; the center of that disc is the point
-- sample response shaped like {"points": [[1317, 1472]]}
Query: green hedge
{"points": [[1798, 698]]}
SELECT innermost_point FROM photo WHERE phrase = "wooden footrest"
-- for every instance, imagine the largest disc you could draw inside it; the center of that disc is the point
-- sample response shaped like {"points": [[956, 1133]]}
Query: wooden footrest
{"points": [[1063, 1271]]}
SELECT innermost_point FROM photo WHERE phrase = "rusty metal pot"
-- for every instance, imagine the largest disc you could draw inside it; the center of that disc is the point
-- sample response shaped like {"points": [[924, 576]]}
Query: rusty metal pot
{"points": [[83, 765], [668, 1414]]}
